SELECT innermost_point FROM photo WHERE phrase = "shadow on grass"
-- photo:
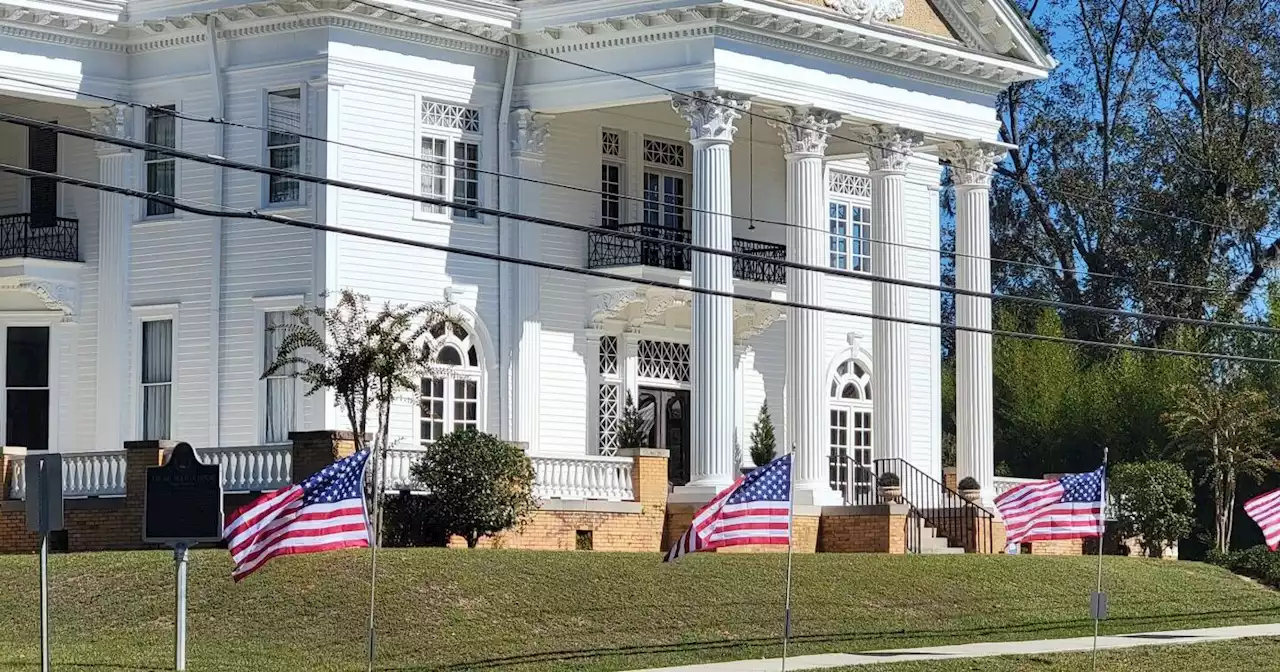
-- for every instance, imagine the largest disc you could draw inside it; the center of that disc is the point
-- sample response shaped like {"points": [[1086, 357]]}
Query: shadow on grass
{"points": [[853, 638]]}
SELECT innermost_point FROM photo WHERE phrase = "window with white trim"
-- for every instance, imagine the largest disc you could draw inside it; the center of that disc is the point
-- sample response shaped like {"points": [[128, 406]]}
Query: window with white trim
{"points": [[26, 382], [284, 147], [849, 220], [665, 183], [157, 379], [612, 176], [850, 426], [280, 387], [449, 399], [450, 153], [161, 128]]}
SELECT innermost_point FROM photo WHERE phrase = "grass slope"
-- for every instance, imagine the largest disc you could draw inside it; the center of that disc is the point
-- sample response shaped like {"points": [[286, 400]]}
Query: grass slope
{"points": [[1241, 655], [442, 609]]}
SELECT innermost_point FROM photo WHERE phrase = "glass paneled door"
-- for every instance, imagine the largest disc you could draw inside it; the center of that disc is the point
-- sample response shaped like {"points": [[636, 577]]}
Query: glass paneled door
{"points": [[664, 210], [666, 416]]}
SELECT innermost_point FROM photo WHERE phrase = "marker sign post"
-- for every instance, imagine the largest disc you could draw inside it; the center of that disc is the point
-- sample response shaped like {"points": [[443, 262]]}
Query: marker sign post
{"points": [[44, 515], [183, 507]]}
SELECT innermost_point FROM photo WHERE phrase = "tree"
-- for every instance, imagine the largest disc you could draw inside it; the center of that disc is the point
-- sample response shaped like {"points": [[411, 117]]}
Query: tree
{"points": [[479, 484], [1228, 432], [632, 432], [763, 444], [364, 357], [1154, 502]]}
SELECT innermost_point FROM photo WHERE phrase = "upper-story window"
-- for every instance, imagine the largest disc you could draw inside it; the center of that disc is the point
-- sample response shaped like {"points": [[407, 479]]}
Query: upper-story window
{"points": [[157, 379], [450, 153], [849, 221], [161, 128], [284, 147], [612, 172], [666, 183]]}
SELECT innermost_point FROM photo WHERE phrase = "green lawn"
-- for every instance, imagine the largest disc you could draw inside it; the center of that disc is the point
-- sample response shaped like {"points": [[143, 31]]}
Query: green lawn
{"points": [[441, 609], [1242, 655]]}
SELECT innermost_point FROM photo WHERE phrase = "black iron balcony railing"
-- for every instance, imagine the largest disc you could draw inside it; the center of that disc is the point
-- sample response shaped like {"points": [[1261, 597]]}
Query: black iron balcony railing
{"points": [[58, 241], [607, 249]]}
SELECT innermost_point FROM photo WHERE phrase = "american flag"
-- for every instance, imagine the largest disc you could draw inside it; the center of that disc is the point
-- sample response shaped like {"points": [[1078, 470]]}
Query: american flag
{"points": [[1265, 511], [756, 509], [323, 513], [1065, 508]]}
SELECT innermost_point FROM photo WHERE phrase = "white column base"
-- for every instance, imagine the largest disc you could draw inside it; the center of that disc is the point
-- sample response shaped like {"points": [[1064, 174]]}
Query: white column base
{"points": [[693, 494], [810, 494]]}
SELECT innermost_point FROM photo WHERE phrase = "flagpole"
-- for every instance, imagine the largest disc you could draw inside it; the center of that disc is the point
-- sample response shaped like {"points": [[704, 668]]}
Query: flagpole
{"points": [[791, 533], [1102, 533], [374, 536]]}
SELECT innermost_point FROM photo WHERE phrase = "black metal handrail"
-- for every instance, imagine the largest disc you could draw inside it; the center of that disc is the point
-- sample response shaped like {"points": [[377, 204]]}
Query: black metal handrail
{"points": [[965, 524], [606, 249], [59, 241], [857, 483]]}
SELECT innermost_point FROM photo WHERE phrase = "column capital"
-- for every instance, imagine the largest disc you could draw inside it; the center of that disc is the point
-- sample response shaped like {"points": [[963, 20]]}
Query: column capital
{"points": [[711, 114], [972, 163], [114, 120], [805, 130], [529, 131], [890, 148]]}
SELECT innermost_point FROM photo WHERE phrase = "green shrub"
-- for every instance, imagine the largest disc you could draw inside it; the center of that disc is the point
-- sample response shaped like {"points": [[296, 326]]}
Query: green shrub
{"points": [[763, 443], [1259, 563], [968, 483], [1154, 502], [410, 521]]}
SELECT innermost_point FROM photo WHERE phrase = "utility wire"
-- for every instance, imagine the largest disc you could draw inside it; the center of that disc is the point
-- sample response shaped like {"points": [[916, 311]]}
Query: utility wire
{"points": [[582, 228], [178, 204], [588, 190]]}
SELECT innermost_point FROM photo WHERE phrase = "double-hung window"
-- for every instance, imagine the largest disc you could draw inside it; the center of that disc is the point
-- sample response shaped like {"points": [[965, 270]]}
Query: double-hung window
{"points": [[449, 399], [849, 221], [284, 147], [157, 379], [26, 382], [450, 157], [161, 128]]}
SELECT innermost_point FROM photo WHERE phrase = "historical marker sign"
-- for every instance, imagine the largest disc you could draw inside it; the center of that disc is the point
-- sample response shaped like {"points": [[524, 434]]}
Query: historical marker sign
{"points": [[43, 474], [183, 502]]}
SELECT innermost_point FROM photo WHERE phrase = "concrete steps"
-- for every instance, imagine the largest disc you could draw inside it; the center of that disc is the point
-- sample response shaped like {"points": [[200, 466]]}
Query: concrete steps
{"points": [[933, 544]]}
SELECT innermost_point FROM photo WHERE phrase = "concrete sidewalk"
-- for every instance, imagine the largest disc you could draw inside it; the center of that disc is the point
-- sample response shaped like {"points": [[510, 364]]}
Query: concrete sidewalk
{"points": [[825, 660]]}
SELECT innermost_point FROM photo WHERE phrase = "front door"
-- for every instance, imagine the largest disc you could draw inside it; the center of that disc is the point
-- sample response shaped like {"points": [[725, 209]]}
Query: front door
{"points": [[666, 416]]}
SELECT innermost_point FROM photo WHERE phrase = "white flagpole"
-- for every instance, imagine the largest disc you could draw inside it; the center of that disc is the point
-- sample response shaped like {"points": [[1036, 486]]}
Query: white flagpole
{"points": [[791, 533], [1102, 524]]}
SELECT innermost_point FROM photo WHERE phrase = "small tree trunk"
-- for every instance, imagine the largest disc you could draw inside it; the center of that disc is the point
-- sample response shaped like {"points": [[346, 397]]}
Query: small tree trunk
{"points": [[472, 539]]}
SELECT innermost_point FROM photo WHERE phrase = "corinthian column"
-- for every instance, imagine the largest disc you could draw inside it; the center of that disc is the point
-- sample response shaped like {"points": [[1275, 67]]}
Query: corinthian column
{"points": [[971, 166], [711, 116], [115, 218], [804, 142], [890, 154], [528, 136]]}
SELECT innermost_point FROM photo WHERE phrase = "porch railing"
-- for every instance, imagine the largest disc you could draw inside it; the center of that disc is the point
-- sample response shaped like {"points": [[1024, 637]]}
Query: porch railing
{"points": [[1003, 484], [606, 249], [58, 241], [587, 477], [83, 475], [252, 468], [856, 482]]}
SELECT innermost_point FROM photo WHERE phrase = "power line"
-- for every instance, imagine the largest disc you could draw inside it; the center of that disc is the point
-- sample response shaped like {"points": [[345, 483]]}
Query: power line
{"points": [[597, 192], [177, 204], [582, 228], [695, 96]]}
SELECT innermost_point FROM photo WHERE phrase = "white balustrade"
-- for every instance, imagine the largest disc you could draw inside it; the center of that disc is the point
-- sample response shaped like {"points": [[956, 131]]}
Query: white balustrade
{"points": [[399, 468], [594, 477], [97, 474], [252, 468], [18, 486], [1003, 484]]}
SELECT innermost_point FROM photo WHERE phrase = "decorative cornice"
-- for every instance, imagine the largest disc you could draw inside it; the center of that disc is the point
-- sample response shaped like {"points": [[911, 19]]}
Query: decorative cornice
{"points": [[711, 114], [971, 162], [55, 295], [889, 149], [529, 131], [751, 320], [609, 305], [805, 130]]}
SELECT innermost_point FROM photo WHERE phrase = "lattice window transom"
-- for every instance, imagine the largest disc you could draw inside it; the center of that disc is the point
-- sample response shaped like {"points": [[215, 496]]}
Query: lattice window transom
{"points": [[664, 153], [610, 413], [611, 143], [608, 355], [847, 184], [456, 117], [663, 361]]}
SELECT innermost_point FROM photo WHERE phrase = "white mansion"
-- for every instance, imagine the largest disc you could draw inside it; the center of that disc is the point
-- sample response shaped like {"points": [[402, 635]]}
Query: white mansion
{"points": [[808, 130]]}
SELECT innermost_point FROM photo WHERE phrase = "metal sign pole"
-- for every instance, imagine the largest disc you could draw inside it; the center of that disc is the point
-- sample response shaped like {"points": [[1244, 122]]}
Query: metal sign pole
{"points": [[180, 632], [44, 602]]}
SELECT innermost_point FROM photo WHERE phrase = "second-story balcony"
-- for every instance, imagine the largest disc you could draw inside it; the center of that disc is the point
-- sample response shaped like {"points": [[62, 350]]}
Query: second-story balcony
{"points": [[665, 248], [39, 237]]}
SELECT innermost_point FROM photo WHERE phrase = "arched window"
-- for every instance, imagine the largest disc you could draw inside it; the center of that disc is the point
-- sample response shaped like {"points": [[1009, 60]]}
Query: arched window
{"points": [[850, 427], [449, 399]]}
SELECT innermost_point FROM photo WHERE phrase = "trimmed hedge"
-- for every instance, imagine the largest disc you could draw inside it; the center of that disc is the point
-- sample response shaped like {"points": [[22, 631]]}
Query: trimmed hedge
{"points": [[1259, 563]]}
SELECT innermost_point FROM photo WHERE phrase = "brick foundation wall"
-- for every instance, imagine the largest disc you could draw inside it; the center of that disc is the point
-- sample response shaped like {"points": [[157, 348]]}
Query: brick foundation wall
{"points": [[864, 529], [1059, 547]]}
